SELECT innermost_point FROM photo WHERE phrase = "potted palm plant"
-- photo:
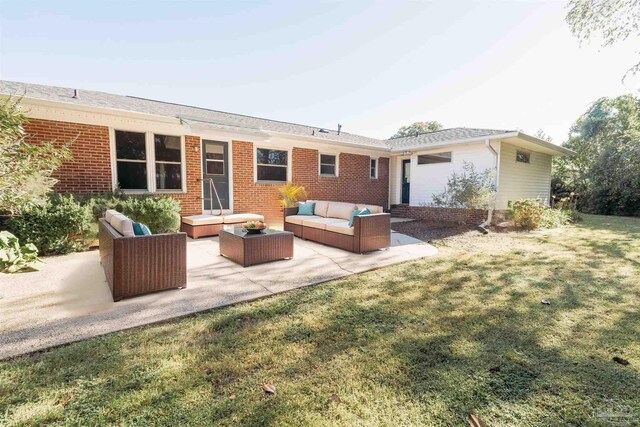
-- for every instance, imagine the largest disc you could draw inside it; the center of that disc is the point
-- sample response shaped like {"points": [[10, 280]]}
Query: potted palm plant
{"points": [[290, 194]]}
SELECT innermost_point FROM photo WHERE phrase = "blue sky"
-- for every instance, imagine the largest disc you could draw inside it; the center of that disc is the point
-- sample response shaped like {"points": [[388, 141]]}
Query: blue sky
{"points": [[371, 66]]}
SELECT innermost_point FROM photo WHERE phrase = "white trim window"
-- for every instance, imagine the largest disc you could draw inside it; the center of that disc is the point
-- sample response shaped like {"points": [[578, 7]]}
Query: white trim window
{"points": [[168, 162], [328, 165], [430, 159], [373, 167], [272, 165], [131, 160], [148, 162], [523, 156]]}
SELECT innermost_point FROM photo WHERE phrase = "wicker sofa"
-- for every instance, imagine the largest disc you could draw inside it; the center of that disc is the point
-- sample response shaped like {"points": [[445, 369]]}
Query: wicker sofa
{"points": [[329, 225], [136, 265]]}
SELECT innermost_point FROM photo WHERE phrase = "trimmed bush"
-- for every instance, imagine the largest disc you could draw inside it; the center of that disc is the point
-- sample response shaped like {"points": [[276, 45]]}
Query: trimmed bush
{"points": [[160, 214], [56, 227], [531, 214]]}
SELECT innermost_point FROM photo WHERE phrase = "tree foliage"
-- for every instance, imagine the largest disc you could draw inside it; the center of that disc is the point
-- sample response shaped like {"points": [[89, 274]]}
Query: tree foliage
{"points": [[25, 169], [605, 171], [469, 189], [612, 21], [417, 128]]}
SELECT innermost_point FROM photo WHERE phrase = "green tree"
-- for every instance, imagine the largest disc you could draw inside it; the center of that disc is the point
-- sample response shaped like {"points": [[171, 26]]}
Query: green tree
{"points": [[416, 129], [25, 169], [468, 189], [611, 21], [605, 171]]}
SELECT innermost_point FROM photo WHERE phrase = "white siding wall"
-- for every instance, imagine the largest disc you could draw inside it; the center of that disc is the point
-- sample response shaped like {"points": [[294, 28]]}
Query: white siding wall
{"points": [[429, 179], [522, 180]]}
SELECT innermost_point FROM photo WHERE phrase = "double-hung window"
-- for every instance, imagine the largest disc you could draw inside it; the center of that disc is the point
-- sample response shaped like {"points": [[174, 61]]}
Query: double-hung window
{"points": [[131, 159], [328, 165], [271, 165], [168, 155], [148, 162]]}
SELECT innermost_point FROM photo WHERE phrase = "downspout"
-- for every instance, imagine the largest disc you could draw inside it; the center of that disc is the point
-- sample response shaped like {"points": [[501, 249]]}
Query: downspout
{"points": [[495, 166]]}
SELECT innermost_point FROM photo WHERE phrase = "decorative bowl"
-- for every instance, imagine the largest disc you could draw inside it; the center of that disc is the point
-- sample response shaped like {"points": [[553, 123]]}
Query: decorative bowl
{"points": [[254, 227]]}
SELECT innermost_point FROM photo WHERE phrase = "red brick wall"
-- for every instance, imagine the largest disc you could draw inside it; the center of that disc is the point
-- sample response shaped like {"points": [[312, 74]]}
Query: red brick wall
{"points": [[440, 215], [247, 195], [352, 184], [90, 169], [191, 202]]}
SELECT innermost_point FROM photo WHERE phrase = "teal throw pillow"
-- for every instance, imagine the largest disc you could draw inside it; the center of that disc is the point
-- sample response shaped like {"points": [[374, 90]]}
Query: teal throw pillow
{"points": [[306, 208], [141, 229], [356, 212]]}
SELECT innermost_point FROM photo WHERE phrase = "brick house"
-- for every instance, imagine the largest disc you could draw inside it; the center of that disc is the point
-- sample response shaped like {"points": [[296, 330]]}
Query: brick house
{"points": [[147, 146]]}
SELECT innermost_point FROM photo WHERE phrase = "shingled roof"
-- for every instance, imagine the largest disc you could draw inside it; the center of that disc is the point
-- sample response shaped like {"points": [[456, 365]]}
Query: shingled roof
{"points": [[444, 135], [160, 108]]}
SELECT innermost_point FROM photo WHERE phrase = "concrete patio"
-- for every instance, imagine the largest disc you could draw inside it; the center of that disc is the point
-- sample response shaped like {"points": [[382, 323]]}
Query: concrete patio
{"points": [[69, 300]]}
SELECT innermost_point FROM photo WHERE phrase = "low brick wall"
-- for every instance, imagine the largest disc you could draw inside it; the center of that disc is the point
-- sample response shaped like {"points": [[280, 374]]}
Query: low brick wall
{"points": [[440, 215]]}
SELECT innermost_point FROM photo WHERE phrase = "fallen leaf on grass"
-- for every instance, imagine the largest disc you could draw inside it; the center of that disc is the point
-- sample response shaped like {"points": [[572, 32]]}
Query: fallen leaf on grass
{"points": [[335, 399], [269, 389], [545, 302], [232, 397], [475, 421], [621, 361]]}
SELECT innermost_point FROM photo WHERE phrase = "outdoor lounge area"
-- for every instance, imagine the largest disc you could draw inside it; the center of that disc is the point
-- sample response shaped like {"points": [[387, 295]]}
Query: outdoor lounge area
{"points": [[69, 299]]}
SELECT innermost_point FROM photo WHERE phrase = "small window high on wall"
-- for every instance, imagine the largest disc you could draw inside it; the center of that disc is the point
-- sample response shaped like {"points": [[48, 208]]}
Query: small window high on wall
{"points": [[523, 157], [271, 165], [328, 165], [429, 159], [131, 160]]}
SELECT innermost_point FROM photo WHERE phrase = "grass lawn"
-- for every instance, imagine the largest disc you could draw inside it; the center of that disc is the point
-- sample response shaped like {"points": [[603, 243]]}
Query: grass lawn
{"points": [[421, 343]]}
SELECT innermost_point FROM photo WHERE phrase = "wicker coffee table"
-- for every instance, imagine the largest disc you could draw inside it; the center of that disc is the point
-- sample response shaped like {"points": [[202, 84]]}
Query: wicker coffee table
{"points": [[249, 249]]}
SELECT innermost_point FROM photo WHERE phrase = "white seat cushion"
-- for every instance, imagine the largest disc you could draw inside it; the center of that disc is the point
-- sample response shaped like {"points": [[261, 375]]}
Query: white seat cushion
{"points": [[109, 214], [122, 224], [297, 219], [372, 208], [202, 219], [341, 226], [340, 210], [321, 208], [243, 217], [316, 222]]}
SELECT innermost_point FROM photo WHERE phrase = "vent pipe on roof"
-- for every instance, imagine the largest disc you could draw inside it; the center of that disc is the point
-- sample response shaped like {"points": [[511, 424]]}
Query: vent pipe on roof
{"points": [[339, 127], [75, 94]]}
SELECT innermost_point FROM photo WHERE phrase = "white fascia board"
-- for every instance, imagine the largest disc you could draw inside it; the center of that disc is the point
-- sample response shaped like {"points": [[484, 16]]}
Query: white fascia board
{"points": [[313, 139], [546, 144]]}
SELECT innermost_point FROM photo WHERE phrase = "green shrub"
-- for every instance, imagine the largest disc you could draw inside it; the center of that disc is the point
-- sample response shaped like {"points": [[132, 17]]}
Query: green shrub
{"points": [[160, 214], [531, 214], [468, 189], [55, 227], [14, 257]]}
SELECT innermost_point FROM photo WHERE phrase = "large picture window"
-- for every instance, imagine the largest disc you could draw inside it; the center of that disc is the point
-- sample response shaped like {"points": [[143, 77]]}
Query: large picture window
{"points": [[168, 152], [131, 160], [328, 165], [428, 159], [271, 165]]}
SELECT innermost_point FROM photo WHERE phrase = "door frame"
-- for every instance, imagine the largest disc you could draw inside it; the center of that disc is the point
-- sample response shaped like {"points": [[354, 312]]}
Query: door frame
{"points": [[402, 170], [230, 168]]}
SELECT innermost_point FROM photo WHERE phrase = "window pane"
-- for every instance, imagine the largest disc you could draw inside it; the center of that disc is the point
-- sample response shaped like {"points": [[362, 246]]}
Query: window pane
{"points": [[168, 176], [272, 173], [167, 148], [132, 176], [327, 170], [215, 152], [327, 159], [130, 145], [427, 159], [271, 157], [373, 168], [523, 157], [215, 168]]}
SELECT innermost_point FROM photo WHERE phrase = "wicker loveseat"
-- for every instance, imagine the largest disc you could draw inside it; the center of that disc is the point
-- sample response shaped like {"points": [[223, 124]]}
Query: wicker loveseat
{"points": [[136, 265], [329, 225]]}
